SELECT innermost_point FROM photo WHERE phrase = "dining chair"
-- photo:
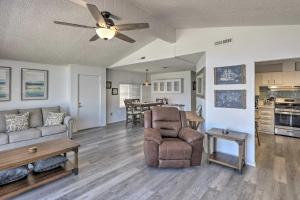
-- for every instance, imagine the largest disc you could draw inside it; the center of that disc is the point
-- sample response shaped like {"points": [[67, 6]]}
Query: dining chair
{"points": [[133, 115]]}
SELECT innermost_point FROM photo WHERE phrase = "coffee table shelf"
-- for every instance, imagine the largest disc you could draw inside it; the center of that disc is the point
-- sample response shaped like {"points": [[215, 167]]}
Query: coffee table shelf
{"points": [[224, 159], [20, 156], [34, 180]]}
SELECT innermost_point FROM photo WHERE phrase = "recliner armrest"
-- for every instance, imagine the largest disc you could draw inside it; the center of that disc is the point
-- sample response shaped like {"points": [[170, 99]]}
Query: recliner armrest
{"points": [[190, 135], [152, 134]]}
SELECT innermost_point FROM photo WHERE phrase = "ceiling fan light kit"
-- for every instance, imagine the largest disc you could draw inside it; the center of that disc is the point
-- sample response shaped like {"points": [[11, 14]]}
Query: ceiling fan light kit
{"points": [[105, 33], [105, 27]]}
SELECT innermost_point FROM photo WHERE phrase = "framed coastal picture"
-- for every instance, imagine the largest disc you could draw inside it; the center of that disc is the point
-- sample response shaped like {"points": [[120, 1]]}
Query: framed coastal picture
{"points": [[230, 75], [114, 91], [34, 84], [230, 99], [200, 83], [5, 83], [108, 84]]}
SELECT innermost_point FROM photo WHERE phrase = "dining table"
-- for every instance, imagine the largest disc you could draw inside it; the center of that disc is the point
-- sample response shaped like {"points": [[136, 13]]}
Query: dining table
{"points": [[146, 105]]}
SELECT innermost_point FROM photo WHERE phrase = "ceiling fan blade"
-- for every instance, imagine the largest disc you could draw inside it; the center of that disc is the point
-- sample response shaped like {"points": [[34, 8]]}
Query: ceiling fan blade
{"points": [[79, 2], [94, 38], [124, 37], [96, 14], [128, 27], [71, 24]]}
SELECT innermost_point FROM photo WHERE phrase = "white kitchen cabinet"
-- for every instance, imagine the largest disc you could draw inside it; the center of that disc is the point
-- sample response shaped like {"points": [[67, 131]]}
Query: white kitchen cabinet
{"points": [[161, 86], [297, 78], [166, 86], [177, 86], [155, 86], [169, 86], [274, 78], [288, 78], [266, 78]]}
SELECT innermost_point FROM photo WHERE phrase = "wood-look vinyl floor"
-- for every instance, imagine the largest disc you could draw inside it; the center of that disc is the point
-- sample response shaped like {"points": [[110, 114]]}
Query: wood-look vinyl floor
{"points": [[112, 167]]}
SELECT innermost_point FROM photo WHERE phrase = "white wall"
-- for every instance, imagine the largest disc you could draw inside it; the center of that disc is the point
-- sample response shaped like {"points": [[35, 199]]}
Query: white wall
{"points": [[117, 77], [63, 87], [174, 98], [74, 72], [57, 86]]}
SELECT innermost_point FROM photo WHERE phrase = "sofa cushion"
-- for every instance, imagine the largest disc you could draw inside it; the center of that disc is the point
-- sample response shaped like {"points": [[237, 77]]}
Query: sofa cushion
{"points": [[51, 130], [17, 122], [28, 134], [54, 119], [46, 110], [2, 119], [12, 175], [35, 118], [3, 138], [48, 164], [174, 149]]}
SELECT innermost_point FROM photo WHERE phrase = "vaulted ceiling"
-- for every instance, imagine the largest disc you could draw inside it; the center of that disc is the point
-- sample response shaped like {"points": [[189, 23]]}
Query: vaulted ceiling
{"points": [[221, 13], [27, 32]]}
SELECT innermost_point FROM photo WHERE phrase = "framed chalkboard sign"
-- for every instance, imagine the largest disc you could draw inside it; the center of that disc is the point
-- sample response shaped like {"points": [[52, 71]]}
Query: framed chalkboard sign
{"points": [[230, 75], [230, 99]]}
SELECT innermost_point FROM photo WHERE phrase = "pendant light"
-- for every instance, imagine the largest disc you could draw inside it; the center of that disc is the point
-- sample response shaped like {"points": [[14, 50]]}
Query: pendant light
{"points": [[146, 82]]}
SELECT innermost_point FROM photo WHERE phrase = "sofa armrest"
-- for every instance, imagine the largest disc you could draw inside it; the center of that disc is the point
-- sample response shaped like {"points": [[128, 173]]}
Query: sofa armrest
{"points": [[152, 134], [190, 135], [68, 121]]}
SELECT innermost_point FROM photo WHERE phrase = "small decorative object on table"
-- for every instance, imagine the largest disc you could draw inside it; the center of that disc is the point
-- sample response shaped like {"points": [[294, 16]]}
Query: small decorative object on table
{"points": [[32, 149], [236, 162]]}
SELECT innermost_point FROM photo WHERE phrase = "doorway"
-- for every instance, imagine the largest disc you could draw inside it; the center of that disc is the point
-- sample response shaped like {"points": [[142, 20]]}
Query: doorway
{"points": [[88, 101]]}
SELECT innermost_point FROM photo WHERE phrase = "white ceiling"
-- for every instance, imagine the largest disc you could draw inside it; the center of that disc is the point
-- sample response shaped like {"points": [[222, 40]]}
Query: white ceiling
{"points": [[220, 13], [27, 33], [180, 63]]}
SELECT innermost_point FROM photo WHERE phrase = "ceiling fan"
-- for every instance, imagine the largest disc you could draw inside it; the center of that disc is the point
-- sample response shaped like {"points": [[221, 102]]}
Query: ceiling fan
{"points": [[105, 26]]}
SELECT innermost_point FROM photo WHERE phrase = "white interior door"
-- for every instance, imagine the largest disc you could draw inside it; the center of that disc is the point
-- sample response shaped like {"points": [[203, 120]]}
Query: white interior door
{"points": [[88, 101]]}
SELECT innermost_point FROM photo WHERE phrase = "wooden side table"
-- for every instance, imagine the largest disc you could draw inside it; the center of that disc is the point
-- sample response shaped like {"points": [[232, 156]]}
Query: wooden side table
{"points": [[236, 162]]}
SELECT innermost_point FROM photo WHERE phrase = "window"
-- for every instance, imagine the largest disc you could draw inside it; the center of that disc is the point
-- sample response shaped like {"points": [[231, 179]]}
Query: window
{"points": [[129, 91]]}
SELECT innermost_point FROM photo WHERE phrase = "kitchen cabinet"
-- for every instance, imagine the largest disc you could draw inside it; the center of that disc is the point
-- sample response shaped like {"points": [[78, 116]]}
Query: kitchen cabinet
{"points": [[266, 119], [288, 78], [297, 78], [167, 86], [274, 78]]}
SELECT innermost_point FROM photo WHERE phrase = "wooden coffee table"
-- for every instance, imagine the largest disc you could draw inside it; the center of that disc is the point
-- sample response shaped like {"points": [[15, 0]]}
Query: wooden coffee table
{"points": [[20, 156]]}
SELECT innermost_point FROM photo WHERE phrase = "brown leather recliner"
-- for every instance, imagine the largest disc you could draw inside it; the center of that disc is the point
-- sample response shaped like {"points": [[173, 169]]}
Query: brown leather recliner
{"points": [[168, 142]]}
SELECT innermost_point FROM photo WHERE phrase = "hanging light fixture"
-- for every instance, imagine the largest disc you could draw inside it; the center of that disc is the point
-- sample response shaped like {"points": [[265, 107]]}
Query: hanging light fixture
{"points": [[146, 82], [105, 33]]}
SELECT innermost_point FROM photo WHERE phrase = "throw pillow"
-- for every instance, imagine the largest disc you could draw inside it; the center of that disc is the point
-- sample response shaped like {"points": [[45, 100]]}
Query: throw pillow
{"points": [[17, 122], [54, 119], [48, 164], [12, 175]]}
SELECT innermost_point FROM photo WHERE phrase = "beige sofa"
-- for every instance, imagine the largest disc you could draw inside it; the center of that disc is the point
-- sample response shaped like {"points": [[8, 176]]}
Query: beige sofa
{"points": [[36, 132]]}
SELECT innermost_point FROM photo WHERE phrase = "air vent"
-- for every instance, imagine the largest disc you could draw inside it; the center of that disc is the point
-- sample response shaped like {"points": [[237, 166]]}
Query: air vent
{"points": [[222, 42]]}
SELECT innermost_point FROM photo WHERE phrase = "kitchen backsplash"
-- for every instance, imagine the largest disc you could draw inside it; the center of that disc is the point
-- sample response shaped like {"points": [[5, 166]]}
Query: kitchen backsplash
{"points": [[266, 93]]}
